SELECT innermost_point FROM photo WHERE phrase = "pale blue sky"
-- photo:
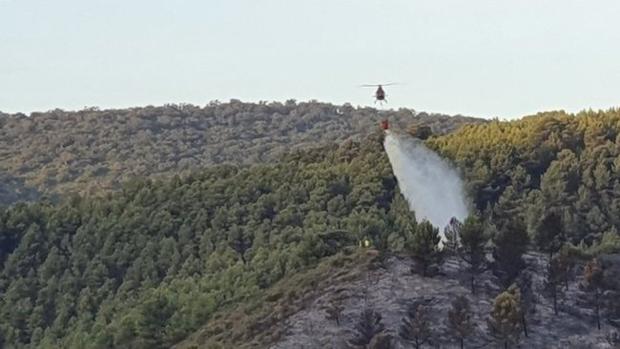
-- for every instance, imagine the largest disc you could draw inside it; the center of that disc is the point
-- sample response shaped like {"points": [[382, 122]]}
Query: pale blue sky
{"points": [[476, 57]]}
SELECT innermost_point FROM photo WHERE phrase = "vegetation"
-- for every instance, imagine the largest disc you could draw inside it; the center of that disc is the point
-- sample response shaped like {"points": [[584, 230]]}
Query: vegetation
{"points": [[367, 328], [460, 319], [235, 248], [87, 151], [593, 285], [505, 320], [511, 242], [245, 326], [416, 327], [148, 265], [527, 297], [424, 245], [473, 239], [554, 281], [564, 165]]}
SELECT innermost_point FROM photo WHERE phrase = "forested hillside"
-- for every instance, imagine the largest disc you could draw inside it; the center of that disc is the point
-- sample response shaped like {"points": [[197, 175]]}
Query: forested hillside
{"points": [[544, 169], [91, 150], [537, 266], [144, 267], [148, 265]]}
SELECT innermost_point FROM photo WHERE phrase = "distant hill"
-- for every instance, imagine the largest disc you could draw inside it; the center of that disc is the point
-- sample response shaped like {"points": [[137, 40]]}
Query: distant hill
{"points": [[89, 150]]}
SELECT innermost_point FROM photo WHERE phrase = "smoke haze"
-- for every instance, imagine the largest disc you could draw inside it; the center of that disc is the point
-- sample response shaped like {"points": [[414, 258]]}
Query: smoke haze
{"points": [[430, 184]]}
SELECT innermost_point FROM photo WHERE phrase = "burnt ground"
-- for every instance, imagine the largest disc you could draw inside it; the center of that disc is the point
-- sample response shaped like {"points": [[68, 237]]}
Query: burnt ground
{"points": [[389, 288]]}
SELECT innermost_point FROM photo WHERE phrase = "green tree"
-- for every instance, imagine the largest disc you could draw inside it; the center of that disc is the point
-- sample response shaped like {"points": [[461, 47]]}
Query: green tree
{"points": [[153, 317], [561, 180], [415, 327], [420, 131], [471, 251], [505, 320], [460, 320], [566, 259], [423, 245], [554, 280], [593, 285], [527, 297], [452, 234], [240, 242], [549, 235], [510, 244]]}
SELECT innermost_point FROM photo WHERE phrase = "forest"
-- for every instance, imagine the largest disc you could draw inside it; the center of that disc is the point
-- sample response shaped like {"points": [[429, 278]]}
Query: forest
{"points": [[89, 151], [148, 264], [553, 166]]}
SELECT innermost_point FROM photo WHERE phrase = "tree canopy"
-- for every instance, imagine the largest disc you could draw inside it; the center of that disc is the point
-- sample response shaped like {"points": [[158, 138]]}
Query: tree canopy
{"points": [[567, 165], [145, 266], [58, 152]]}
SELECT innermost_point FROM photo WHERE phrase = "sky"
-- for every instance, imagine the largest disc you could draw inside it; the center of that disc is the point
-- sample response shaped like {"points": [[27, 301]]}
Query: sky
{"points": [[486, 58]]}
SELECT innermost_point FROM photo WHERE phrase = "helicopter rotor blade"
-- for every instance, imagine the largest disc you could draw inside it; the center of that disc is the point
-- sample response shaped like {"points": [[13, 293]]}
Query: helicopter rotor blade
{"points": [[377, 85]]}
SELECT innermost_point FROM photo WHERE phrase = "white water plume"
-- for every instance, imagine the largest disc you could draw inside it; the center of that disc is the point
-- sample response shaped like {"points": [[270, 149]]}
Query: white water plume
{"points": [[432, 187]]}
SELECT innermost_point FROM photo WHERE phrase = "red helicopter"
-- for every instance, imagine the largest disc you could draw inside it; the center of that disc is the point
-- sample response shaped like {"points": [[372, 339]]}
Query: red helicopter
{"points": [[380, 97], [380, 93]]}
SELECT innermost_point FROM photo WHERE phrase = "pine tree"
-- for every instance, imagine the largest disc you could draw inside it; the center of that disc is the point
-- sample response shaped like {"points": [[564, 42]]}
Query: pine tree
{"points": [[549, 235], [415, 327], [239, 242], [554, 279], [527, 297], [510, 244], [596, 221], [403, 223], [508, 205], [473, 240], [505, 320], [155, 313], [452, 234], [368, 326], [601, 177], [422, 132], [424, 245], [460, 319], [561, 180], [566, 263], [593, 285]]}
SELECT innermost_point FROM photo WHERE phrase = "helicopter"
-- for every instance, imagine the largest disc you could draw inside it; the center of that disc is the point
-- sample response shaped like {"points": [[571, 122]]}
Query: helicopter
{"points": [[380, 97], [380, 92]]}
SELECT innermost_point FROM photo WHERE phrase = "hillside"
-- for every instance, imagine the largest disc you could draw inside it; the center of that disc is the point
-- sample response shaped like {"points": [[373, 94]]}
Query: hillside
{"points": [[144, 267], [89, 150], [552, 164], [361, 281], [553, 175], [250, 256], [552, 179]]}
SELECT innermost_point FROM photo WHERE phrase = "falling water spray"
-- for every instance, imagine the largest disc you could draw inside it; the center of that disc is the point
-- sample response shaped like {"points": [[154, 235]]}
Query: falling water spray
{"points": [[432, 187]]}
